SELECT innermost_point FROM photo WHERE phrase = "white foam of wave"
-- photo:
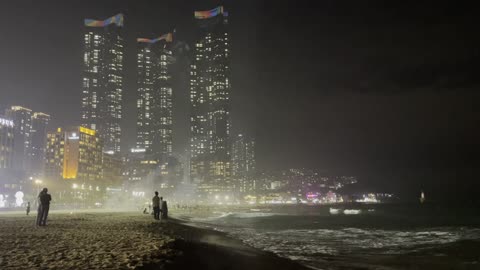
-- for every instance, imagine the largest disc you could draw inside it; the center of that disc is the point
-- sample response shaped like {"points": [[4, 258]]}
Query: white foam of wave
{"points": [[253, 215], [309, 244], [334, 211], [217, 215], [222, 215], [352, 211]]}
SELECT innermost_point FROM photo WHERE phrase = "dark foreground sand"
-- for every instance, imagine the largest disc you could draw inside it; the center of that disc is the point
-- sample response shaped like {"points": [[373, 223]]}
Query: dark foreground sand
{"points": [[206, 249], [123, 240]]}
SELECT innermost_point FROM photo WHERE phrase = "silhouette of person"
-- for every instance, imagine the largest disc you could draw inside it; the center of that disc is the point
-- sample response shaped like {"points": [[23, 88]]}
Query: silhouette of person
{"points": [[156, 206], [28, 208], [164, 210], [44, 207]]}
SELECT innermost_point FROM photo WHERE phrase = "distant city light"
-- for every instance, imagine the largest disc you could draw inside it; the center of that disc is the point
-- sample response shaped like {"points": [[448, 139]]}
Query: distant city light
{"points": [[6, 122], [19, 198], [74, 136]]}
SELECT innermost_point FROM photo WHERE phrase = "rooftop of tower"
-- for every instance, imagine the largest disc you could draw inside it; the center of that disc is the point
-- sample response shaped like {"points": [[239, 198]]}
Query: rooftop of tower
{"points": [[117, 19], [167, 37], [210, 13]]}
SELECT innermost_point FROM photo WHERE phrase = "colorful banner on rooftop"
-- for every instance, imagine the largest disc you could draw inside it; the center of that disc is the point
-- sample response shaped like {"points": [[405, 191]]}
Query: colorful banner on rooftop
{"points": [[209, 13], [117, 19], [167, 37]]}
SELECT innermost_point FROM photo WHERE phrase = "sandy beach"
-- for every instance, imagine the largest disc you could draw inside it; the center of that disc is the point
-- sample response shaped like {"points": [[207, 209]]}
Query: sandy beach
{"points": [[122, 240]]}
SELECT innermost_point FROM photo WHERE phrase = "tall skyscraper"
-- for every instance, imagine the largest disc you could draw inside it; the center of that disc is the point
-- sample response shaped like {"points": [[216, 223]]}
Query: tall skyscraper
{"points": [[103, 80], [39, 142], [154, 97], [243, 164], [22, 120], [210, 104]]}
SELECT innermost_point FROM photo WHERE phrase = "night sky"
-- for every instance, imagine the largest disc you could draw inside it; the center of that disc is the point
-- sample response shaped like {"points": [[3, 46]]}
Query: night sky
{"points": [[388, 93]]}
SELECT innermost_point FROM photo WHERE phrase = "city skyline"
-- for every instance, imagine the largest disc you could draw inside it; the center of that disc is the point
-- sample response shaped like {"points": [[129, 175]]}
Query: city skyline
{"points": [[355, 103]]}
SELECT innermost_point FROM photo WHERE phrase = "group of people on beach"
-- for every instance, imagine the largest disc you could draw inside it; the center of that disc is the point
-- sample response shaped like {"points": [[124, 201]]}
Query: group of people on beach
{"points": [[160, 208]]}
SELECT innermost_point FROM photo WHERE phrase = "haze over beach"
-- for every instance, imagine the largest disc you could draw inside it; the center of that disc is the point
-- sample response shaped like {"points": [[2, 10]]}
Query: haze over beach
{"points": [[238, 134]]}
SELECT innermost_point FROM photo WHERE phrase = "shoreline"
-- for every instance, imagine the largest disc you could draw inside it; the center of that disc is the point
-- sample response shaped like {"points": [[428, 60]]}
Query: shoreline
{"points": [[203, 248]]}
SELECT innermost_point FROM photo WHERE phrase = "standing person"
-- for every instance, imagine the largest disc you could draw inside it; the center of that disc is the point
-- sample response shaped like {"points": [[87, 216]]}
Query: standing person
{"points": [[45, 199], [164, 210], [28, 208], [161, 203], [156, 206], [39, 209]]}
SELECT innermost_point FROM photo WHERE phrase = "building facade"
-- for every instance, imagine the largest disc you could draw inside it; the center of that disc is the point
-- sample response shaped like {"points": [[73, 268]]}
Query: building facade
{"points": [[103, 80], [6, 143], [53, 168], [39, 143], [210, 87], [74, 154], [154, 97], [22, 119], [243, 165], [12, 180], [74, 167]]}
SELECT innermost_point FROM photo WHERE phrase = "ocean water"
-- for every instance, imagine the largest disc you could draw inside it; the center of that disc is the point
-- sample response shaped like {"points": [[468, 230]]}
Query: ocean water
{"points": [[380, 236]]}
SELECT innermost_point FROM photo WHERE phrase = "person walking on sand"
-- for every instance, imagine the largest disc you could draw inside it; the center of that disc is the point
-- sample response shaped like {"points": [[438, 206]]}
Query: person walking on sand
{"points": [[28, 208], [164, 210], [44, 207], [156, 206]]}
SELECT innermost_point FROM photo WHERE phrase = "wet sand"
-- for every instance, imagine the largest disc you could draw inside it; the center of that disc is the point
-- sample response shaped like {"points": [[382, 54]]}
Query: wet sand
{"points": [[207, 249]]}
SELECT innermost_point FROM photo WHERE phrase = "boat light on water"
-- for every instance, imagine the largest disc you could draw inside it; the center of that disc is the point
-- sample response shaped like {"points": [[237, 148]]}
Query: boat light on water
{"points": [[352, 211]]}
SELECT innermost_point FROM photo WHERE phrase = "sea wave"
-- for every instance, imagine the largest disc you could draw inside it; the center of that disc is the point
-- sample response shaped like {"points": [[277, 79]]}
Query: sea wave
{"points": [[243, 215], [309, 244]]}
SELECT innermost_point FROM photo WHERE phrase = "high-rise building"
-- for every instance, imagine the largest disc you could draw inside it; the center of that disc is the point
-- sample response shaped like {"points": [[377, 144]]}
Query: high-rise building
{"points": [[154, 97], [210, 89], [6, 143], [39, 142], [243, 165], [12, 180], [103, 80], [74, 154], [22, 120]]}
